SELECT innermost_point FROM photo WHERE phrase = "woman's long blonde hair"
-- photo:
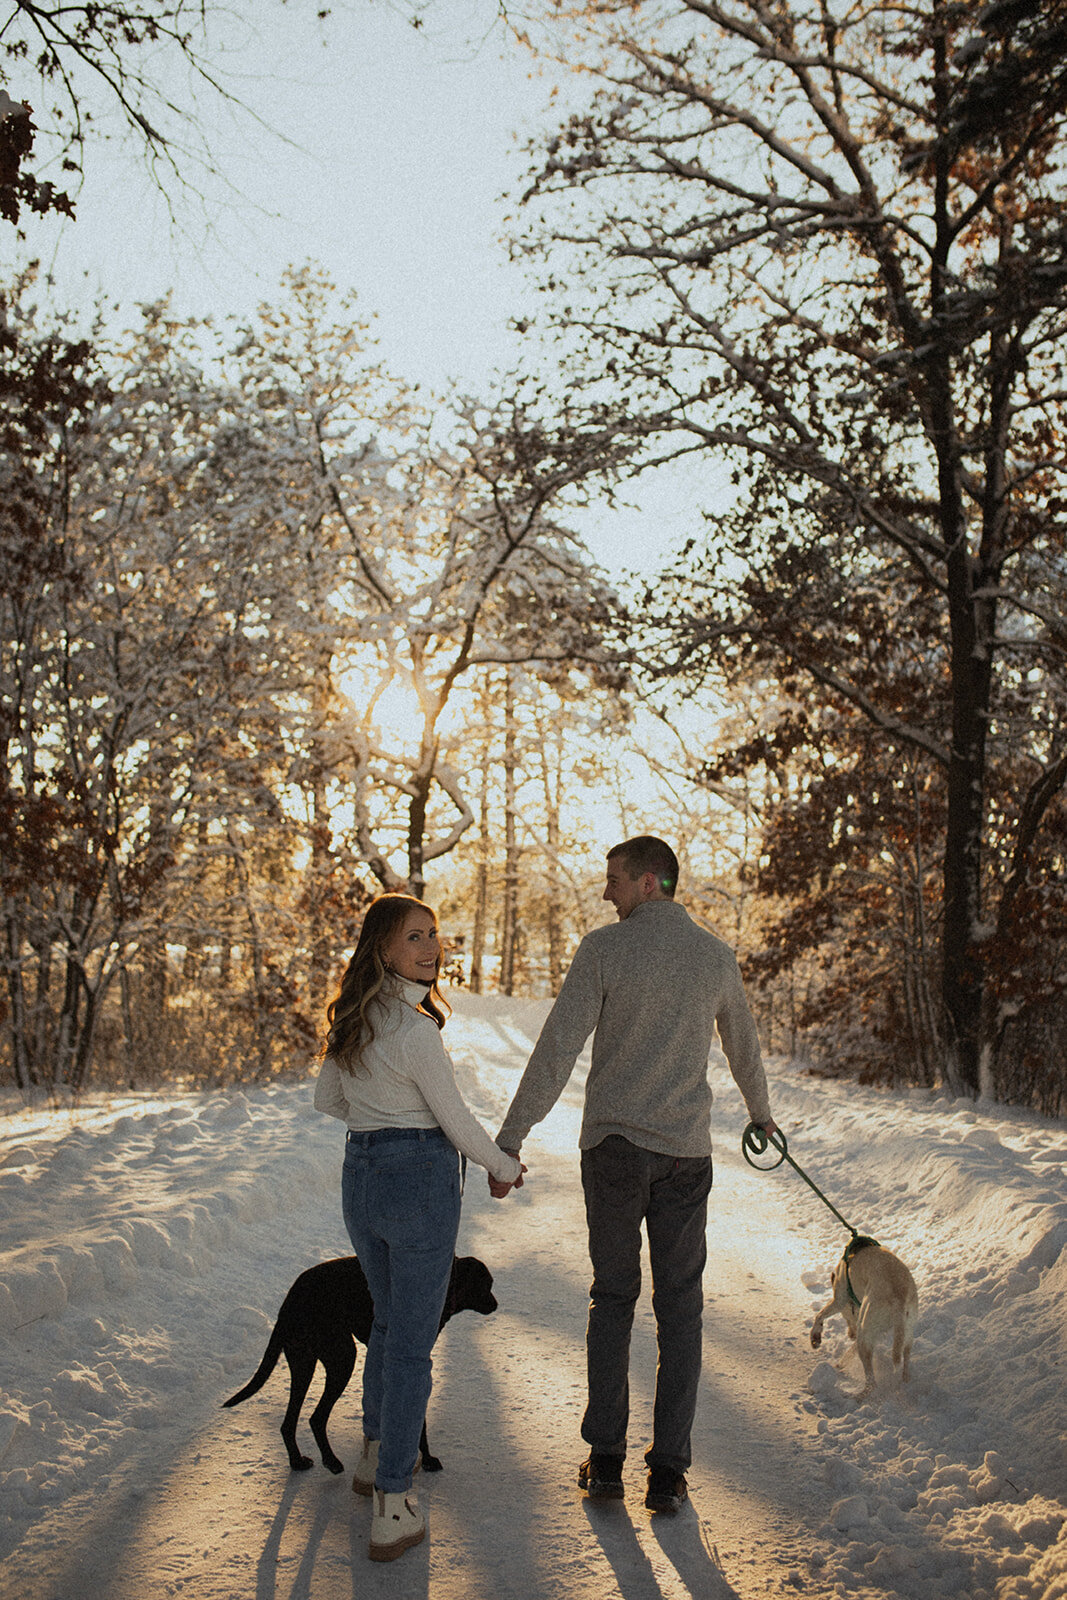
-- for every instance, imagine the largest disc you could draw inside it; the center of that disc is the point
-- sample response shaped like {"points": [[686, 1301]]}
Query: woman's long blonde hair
{"points": [[349, 1017]]}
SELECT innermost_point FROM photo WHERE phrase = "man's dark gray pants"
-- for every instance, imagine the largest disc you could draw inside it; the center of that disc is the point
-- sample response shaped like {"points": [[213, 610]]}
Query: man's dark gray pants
{"points": [[625, 1186]]}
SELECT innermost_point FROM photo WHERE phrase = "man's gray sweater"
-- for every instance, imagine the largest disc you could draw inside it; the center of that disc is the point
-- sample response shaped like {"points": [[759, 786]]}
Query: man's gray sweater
{"points": [[655, 987]]}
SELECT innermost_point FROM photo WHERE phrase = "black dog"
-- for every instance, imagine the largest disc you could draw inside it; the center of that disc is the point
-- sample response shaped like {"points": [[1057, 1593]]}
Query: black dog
{"points": [[326, 1308]]}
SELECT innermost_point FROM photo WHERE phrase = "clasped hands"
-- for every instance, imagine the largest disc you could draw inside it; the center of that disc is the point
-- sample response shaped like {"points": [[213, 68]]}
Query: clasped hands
{"points": [[499, 1189]]}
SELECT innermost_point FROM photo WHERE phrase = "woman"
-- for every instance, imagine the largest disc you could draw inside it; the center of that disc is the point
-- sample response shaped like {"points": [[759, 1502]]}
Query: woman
{"points": [[387, 1075]]}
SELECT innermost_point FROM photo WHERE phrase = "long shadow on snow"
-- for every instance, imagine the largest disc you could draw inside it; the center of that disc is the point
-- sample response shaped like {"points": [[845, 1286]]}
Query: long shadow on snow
{"points": [[681, 1538], [513, 1442], [537, 1298]]}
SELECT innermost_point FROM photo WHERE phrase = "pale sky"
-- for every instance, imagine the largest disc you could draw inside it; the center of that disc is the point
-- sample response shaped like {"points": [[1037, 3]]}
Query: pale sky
{"points": [[407, 142]]}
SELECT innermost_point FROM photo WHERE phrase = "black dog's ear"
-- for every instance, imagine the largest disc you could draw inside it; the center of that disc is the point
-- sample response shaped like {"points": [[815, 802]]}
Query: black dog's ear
{"points": [[473, 1274]]}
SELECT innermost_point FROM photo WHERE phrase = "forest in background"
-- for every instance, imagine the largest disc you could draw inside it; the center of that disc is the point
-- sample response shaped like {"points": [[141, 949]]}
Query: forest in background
{"points": [[278, 633]]}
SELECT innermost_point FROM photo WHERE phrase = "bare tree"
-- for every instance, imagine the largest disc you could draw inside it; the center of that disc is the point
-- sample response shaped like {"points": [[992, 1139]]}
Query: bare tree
{"points": [[470, 568], [828, 248], [84, 71], [148, 661]]}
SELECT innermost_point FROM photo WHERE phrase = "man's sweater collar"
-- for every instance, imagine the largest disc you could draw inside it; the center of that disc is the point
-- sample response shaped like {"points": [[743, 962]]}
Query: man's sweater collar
{"points": [[657, 908]]}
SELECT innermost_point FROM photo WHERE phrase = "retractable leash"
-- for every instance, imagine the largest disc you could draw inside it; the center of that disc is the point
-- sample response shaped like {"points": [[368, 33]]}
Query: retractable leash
{"points": [[755, 1141]]}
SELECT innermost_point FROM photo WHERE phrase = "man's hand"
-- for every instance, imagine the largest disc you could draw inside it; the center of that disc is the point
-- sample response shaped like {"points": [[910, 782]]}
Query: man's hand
{"points": [[498, 1188]]}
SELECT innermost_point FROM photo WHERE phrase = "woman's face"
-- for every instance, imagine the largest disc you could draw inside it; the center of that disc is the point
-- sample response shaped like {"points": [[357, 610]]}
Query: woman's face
{"points": [[413, 950]]}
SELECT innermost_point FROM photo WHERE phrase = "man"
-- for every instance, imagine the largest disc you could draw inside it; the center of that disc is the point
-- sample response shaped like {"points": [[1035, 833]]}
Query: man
{"points": [[654, 987]]}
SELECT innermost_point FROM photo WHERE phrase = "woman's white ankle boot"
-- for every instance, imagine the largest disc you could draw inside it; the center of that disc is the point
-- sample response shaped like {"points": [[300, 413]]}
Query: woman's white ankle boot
{"points": [[366, 1467], [397, 1524]]}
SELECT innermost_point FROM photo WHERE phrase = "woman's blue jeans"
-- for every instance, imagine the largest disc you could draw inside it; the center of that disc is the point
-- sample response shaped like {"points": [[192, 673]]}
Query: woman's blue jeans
{"points": [[400, 1199]]}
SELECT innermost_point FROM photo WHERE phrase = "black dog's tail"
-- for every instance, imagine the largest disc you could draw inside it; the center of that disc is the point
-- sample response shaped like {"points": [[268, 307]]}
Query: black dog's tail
{"points": [[262, 1372]]}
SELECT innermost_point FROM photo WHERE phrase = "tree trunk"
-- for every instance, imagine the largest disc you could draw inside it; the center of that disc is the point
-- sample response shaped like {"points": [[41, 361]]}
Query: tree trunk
{"points": [[129, 1027], [153, 994], [962, 978], [481, 880], [554, 909], [63, 1066], [41, 1018], [320, 954], [509, 929], [18, 1020], [258, 995], [193, 960], [84, 1053], [417, 836], [422, 785]]}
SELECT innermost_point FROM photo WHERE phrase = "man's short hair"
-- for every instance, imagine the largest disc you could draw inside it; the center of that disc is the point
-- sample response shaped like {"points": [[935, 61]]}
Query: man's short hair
{"points": [[644, 854]]}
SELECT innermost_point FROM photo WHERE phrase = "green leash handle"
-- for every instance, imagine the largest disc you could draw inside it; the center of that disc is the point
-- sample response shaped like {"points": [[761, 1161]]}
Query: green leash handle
{"points": [[755, 1141]]}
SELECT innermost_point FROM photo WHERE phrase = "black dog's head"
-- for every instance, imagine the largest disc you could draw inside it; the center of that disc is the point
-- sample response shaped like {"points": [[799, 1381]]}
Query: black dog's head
{"points": [[471, 1288]]}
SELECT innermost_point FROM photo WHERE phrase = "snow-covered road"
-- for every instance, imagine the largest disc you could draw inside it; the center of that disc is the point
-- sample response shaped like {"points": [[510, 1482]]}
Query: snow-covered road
{"points": [[147, 1246]]}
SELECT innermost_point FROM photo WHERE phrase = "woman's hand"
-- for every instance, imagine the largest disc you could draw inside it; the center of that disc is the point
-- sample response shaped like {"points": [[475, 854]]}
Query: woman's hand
{"points": [[498, 1188]]}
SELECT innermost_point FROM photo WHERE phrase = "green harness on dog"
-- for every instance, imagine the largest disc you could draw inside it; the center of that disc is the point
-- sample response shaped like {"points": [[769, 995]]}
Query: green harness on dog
{"points": [[858, 1242]]}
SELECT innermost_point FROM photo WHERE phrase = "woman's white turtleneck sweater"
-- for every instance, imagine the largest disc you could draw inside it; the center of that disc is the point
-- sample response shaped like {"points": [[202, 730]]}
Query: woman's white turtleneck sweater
{"points": [[406, 1080]]}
